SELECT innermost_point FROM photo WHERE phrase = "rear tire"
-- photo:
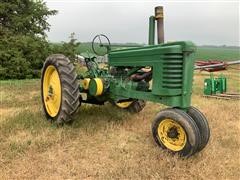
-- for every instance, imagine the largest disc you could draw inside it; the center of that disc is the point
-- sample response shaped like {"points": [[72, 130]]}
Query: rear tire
{"points": [[202, 124], [175, 130], [64, 79]]}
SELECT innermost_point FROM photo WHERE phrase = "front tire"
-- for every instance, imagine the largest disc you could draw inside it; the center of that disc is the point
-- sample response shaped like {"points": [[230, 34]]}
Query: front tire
{"points": [[175, 130], [59, 89], [202, 124]]}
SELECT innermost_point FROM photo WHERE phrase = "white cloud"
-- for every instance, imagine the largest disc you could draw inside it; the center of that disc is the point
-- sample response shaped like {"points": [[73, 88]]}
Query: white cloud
{"points": [[201, 22]]}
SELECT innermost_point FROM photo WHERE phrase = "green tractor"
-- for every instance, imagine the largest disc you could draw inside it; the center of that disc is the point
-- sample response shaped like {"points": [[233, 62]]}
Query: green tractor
{"points": [[160, 73]]}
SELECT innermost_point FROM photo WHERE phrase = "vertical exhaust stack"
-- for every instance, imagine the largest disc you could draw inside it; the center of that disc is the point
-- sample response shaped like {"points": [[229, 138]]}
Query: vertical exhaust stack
{"points": [[160, 26], [151, 33]]}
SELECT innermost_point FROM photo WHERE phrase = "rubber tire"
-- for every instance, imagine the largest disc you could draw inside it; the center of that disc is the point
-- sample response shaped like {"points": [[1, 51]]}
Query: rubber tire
{"points": [[188, 124], [70, 95], [202, 124], [136, 106]]}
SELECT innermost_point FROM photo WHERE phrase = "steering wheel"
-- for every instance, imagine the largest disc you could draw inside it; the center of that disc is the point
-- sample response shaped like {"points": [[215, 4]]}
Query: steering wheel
{"points": [[101, 45]]}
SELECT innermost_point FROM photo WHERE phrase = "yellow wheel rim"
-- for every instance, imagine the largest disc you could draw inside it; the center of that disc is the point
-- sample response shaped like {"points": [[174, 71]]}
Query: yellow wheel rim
{"points": [[172, 135], [124, 104], [52, 91]]}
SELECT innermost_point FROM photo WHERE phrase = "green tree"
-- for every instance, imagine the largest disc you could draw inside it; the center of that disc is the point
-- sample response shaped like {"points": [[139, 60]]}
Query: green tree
{"points": [[27, 17], [69, 49], [23, 44]]}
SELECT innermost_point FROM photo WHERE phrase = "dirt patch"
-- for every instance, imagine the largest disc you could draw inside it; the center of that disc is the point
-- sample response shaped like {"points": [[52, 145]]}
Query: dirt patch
{"points": [[8, 112]]}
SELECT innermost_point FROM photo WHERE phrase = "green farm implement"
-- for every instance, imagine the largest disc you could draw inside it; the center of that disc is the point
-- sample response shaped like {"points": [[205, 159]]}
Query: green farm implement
{"points": [[160, 73], [217, 88], [215, 85]]}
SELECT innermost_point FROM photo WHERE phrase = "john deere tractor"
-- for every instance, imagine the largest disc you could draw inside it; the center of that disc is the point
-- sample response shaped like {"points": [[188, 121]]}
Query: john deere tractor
{"points": [[160, 73]]}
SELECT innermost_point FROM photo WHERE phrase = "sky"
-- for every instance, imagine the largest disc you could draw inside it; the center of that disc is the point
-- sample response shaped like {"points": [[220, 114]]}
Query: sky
{"points": [[203, 22]]}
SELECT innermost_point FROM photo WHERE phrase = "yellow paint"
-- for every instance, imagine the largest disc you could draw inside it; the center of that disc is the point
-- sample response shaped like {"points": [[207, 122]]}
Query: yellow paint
{"points": [[52, 91], [99, 85], [172, 143], [124, 104], [86, 83]]}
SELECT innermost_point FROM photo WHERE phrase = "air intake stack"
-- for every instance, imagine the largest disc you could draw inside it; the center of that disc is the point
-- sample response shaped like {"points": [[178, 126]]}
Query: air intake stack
{"points": [[160, 26]]}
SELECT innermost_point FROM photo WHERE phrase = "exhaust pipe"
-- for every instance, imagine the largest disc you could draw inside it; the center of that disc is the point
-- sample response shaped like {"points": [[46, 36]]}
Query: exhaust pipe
{"points": [[160, 26]]}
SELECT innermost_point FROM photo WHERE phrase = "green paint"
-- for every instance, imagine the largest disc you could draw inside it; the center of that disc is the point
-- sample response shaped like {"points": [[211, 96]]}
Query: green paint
{"points": [[92, 87], [151, 34], [172, 65], [172, 74], [215, 85]]}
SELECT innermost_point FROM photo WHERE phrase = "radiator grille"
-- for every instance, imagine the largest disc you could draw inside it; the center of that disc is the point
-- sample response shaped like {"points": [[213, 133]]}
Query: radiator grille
{"points": [[172, 71]]}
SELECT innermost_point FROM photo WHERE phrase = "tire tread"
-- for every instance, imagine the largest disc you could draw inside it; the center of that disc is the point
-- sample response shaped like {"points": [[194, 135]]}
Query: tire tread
{"points": [[69, 85]]}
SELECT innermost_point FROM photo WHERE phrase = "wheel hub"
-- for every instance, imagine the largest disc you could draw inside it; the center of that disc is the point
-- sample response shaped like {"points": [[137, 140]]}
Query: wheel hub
{"points": [[50, 94], [172, 135], [50, 90]]}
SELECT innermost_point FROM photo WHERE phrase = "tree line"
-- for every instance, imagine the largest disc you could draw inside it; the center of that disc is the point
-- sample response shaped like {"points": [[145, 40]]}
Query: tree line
{"points": [[23, 40]]}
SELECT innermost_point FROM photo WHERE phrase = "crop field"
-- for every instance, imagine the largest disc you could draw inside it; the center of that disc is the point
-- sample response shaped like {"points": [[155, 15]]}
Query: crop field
{"points": [[218, 53], [107, 143]]}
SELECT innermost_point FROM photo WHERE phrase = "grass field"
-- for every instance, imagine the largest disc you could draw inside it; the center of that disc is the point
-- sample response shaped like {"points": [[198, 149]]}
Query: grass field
{"points": [[107, 143]]}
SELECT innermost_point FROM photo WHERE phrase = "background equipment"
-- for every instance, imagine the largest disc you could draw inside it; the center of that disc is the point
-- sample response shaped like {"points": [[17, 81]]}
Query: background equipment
{"points": [[215, 85]]}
